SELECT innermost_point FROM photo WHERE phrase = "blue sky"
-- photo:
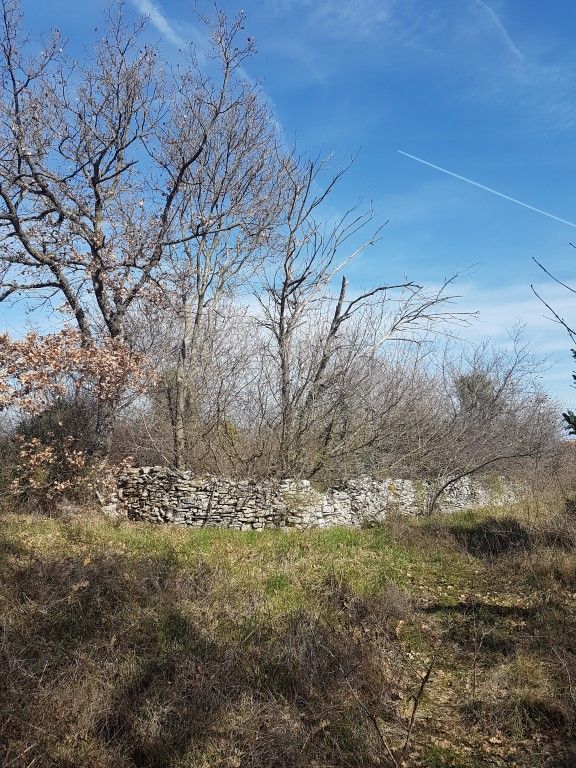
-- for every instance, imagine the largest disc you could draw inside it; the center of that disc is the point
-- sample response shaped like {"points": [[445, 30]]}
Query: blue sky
{"points": [[483, 88]]}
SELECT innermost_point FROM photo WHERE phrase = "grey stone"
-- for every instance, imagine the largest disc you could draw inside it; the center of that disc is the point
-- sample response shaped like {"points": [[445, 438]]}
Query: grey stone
{"points": [[163, 495]]}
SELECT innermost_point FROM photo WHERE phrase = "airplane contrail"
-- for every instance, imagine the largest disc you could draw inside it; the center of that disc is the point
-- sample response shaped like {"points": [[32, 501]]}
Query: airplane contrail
{"points": [[487, 189]]}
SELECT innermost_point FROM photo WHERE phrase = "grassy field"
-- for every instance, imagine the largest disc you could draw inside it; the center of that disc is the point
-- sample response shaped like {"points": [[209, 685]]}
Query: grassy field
{"points": [[447, 642]]}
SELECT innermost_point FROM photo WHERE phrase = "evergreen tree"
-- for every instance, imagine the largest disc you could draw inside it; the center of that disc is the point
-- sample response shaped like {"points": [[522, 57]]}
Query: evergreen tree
{"points": [[570, 417]]}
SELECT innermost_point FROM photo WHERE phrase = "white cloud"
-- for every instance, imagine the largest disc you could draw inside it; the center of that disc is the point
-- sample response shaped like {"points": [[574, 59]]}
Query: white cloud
{"points": [[503, 308], [469, 37], [159, 20], [500, 308], [363, 18], [340, 18], [501, 30], [544, 89]]}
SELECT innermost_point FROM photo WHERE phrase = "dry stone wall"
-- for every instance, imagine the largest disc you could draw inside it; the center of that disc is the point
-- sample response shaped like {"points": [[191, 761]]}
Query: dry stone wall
{"points": [[163, 495]]}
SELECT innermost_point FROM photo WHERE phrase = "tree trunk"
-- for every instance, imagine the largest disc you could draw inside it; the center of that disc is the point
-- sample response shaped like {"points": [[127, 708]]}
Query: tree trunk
{"points": [[105, 418], [180, 394]]}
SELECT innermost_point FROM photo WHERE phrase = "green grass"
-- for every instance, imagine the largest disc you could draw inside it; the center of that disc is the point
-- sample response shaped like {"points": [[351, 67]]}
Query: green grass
{"points": [[145, 646]]}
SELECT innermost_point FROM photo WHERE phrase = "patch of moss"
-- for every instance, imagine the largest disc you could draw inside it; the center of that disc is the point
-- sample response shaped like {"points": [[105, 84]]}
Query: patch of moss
{"points": [[445, 757]]}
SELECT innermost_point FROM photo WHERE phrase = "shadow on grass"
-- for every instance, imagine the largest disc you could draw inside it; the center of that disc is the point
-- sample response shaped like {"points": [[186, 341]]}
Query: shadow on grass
{"points": [[131, 663], [493, 537], [493, 611], [8, 547], [495, 628]]}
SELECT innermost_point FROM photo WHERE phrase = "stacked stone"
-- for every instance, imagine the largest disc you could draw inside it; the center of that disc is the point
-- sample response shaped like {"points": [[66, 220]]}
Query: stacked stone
{"points": [[164, 495]]}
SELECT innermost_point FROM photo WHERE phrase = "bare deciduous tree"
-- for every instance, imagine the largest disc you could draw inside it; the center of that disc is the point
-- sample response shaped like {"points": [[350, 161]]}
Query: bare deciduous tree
{"points": [[236, 191], [98, 161], [486, 412], [324, 343]]}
